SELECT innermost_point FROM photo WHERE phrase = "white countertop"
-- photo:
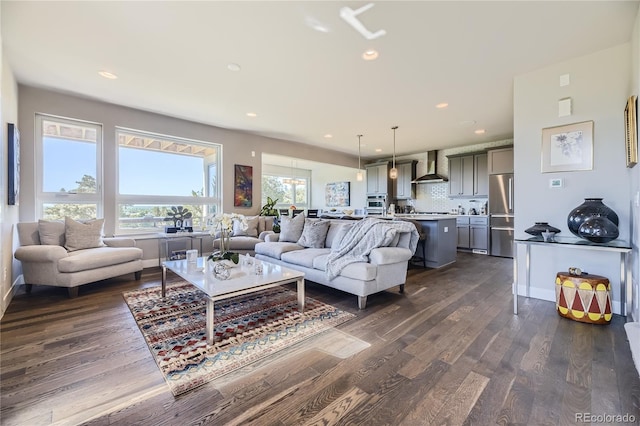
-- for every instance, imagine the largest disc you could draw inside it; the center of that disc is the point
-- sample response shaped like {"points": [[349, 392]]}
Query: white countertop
{"points": [[426, 216]]}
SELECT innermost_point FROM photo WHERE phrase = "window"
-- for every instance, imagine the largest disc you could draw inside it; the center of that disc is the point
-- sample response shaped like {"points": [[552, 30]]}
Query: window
{"points": [[156, 173], [290, 186], [69, 172]]}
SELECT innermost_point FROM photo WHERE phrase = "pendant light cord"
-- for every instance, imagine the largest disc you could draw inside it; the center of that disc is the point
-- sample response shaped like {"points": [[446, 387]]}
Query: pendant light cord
{"points": [[394, 145], [359, 168]]}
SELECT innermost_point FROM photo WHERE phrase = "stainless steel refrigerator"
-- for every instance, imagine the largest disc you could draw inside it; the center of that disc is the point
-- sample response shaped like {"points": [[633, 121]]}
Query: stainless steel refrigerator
{"points": [[501, 214]]}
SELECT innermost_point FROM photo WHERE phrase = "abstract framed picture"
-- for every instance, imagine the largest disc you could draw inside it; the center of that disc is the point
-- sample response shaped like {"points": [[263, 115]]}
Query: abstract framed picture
{"points": [[567, 148], [337, 194], [13, 166], [243, 186], [631, 131]]}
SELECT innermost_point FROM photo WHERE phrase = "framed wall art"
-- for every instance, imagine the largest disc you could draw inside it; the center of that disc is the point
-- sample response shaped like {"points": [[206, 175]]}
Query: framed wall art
{"points": [[337, 194], [567, 148], [13, 166], [631, 131], [243, 186]]}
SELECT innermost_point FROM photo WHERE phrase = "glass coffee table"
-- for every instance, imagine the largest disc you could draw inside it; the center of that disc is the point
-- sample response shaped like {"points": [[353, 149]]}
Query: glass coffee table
{"points": [[243, 280]]}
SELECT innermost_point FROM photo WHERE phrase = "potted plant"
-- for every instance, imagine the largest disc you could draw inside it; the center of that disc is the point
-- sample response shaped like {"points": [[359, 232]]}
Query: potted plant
{"points": [[269, 209]]}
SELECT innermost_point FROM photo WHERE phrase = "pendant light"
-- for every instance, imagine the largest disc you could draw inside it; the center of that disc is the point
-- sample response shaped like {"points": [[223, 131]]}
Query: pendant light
{"points": [[393, 173], [359, 175]]}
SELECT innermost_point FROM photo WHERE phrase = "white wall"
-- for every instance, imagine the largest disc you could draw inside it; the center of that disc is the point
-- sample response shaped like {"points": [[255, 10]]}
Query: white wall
{"points": [[599, 89], [324, 175], [9, 269], [634, 177], [237, 146]]}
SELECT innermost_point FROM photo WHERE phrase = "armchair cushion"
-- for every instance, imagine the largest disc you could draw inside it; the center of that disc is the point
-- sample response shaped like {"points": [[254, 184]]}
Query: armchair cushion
{"points": [[85, 235], [291, 228], [51, 232], [252, 227]]}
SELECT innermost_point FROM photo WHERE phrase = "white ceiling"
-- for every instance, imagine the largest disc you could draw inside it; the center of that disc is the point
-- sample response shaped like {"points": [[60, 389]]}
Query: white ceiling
{"points": [[172, 57]]}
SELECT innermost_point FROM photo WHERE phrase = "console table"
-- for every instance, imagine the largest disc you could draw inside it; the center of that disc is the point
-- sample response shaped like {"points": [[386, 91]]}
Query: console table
{"points": [[164, 238], [620, 246]]}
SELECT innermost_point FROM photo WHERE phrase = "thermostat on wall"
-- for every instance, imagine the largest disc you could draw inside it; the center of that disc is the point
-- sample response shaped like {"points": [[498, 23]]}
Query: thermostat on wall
{"points": [[555, 183]]}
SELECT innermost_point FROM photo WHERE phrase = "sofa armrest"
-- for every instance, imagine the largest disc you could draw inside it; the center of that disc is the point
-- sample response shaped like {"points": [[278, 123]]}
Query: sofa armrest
{"points": [[272, 238], [263, 235], [389, 255], [40, 253], [119, 242]]}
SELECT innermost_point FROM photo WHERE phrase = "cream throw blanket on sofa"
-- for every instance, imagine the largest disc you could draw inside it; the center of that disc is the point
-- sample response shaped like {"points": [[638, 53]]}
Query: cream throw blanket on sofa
{"points": [[364, 236]]}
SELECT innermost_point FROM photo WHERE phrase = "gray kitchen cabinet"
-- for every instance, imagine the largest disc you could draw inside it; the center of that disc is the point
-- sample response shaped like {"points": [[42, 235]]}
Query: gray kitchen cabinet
{"points": [[500, 161], [378, 179], [462, 226], [468, 175], [480, 175], [479, 233], [406, 174], [473, 233]]}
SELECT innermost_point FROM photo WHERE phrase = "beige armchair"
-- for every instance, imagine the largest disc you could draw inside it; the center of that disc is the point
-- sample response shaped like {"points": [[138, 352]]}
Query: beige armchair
{"points": [[50, 263]]}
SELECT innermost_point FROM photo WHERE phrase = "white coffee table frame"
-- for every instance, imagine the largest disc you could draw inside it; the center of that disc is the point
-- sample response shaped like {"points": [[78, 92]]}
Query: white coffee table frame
{"points": [[243, 281]]}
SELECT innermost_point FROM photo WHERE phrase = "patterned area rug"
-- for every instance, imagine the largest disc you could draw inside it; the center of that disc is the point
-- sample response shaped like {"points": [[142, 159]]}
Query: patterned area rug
{"points": [[247, 328]]}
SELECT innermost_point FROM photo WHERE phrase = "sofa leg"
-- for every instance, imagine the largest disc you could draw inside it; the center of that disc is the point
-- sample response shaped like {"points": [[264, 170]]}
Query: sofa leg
{"points": [[137, 275], [362, 302], [401, 288], [73, 292], [27, 288]]}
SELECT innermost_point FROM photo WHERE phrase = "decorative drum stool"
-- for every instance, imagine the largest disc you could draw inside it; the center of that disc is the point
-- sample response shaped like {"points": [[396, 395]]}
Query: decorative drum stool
{"points": [[584, 298]]}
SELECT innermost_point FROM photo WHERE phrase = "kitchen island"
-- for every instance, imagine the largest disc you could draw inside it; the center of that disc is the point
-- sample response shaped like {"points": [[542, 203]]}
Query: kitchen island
{"points": [[442, 239]]}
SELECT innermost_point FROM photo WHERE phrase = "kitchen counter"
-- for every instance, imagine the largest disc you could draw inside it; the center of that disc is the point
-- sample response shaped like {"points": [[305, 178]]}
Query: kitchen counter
{"points": [[442, 237]]}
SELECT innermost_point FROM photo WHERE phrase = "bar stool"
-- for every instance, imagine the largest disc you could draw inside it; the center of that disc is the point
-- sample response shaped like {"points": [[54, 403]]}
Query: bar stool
{"points": [[420, 255]]}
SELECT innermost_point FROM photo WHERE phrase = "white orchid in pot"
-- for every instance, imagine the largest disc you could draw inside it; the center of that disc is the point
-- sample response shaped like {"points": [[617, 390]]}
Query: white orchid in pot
{"points": [[221, 228]]}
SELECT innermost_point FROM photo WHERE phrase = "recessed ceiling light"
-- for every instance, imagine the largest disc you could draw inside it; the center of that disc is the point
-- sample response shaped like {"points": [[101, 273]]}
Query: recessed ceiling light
{"points": [[479, 132], [378, 149], [370, 55], [328, 136], [442, 105], [107, 74], [252, 114], [233, 67]]}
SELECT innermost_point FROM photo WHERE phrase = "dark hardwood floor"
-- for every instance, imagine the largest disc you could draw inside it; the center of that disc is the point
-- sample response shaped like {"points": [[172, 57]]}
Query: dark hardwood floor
{"points": [[447, 351]]}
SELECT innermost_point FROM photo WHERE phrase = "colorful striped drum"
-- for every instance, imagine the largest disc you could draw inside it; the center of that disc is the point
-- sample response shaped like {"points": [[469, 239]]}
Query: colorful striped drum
{"points": [[584, 298]]}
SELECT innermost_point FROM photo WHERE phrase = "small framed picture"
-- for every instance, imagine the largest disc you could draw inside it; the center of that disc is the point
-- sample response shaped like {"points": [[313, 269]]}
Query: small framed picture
{"points": [[631, 132], [567, 148]]}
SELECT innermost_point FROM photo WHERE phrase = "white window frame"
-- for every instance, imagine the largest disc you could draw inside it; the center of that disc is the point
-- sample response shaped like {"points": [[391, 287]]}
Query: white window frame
{"points": [[291, 173], [58, 197], [169, 200]]}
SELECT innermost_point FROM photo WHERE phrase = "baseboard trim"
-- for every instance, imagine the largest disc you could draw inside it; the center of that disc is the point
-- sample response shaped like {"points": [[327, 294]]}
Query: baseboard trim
{"points": [[550, 296]]}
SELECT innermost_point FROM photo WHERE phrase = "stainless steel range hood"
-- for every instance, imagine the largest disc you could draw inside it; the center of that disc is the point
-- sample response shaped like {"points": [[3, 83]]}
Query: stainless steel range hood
{"points": [[431, 176]]}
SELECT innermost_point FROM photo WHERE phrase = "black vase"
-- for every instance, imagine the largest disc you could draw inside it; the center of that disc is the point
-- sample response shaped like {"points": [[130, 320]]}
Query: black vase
{"points": [[598, 229], [541, 227], [590, 207]]}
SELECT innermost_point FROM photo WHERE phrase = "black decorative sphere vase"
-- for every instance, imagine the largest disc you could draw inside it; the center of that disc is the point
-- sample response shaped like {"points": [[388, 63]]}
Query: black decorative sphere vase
{"points": [[598, 229], [541, 227], [590, 207]]}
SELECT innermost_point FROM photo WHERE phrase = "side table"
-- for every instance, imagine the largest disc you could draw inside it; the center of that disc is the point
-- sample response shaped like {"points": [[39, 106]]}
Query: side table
{"points": [[164, 238], [574, 243]]}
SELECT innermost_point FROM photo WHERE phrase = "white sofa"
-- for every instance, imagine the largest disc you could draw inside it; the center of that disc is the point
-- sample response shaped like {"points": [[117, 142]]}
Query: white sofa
{"points": [[386, 266], [47, 261], [244, 241]]}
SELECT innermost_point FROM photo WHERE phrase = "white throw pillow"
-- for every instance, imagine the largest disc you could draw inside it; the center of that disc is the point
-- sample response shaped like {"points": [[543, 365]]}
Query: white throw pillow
{"points": [[314, 233], [51, 232], [291, 228], [252, 227], [82, 235]]}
